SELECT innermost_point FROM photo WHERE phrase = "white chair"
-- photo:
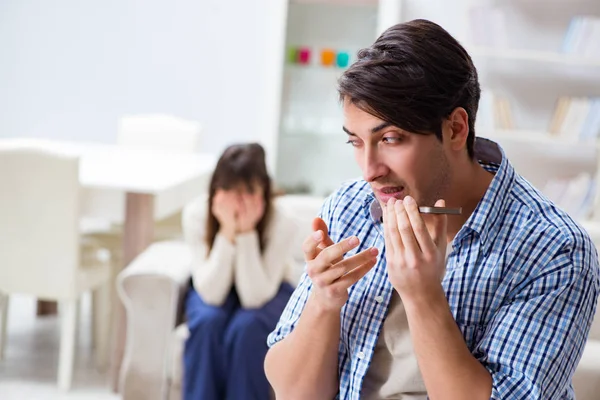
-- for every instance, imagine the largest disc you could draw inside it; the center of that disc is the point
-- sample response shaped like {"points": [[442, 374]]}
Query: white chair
{"points": [[40, 247], [159, 132]]}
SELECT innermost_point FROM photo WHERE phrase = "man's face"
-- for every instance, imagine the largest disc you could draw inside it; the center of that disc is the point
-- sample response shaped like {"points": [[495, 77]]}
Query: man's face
{"points": [[397, 163]]}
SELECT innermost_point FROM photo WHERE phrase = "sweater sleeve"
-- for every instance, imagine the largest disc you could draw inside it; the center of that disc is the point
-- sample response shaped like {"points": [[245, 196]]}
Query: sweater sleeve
{"points": [[212, 274], [259, 276]]}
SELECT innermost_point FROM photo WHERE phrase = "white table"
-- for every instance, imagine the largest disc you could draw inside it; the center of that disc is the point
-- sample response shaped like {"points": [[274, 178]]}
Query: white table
{"points": [[134, 187]]}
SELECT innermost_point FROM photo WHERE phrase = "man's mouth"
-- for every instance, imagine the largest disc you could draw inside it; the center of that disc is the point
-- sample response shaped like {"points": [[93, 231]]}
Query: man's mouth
{"points": [[388, 192], [392, 190]]}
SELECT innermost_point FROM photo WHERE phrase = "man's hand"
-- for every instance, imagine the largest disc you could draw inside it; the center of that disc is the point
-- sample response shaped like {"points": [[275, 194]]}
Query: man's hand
{"points": [[330, 273], [415, 249]]}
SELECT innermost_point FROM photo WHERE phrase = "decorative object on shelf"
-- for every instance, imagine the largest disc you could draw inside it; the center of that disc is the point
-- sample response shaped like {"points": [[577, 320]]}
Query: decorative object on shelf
{"points": [[304, 55], [292, 55], [343, 59], [327, 57], [582, 37]]}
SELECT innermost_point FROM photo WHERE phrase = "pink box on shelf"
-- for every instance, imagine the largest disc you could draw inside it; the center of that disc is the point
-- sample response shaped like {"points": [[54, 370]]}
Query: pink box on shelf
{"points": [[304, 55]]}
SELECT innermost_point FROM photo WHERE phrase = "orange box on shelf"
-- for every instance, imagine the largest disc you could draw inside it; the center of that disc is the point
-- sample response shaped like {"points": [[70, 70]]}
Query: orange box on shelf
{"points": [[327, 57]]}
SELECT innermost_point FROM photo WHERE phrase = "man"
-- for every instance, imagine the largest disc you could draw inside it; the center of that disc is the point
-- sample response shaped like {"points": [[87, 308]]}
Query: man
{"points": [[504, 314]]}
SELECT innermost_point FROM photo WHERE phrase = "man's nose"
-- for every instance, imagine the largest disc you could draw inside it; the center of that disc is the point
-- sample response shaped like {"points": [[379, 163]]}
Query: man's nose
{"points": [[373, 168]]}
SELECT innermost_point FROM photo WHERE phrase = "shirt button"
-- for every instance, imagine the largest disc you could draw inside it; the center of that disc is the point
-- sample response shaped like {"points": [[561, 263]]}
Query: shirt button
{"points": [[379, 299], [360, 355]]}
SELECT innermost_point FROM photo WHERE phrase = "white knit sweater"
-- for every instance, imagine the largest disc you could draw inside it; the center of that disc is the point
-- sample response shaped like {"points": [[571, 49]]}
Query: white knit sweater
{"points": [[256, 276]]}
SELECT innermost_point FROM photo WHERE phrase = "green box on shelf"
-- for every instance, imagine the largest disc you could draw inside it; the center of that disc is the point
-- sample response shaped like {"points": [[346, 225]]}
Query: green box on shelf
{"points": [[292, 55], [343, 59]]}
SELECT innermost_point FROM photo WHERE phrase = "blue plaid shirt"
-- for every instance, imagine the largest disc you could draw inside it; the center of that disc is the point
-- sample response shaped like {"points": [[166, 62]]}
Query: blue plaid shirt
{"points": [[521, 280]]}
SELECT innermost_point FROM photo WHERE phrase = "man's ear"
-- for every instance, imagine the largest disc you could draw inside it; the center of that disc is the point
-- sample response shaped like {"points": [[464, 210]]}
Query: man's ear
{"points": [[456, 129]]}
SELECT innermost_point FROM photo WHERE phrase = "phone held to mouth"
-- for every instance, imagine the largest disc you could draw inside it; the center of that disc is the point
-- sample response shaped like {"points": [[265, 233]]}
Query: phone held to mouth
{"points": [[377, 212], [440, 210]]}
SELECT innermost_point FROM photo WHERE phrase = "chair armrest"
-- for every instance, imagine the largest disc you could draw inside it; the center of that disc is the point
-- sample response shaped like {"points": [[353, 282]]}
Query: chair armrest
{"points": [[151, 289]]}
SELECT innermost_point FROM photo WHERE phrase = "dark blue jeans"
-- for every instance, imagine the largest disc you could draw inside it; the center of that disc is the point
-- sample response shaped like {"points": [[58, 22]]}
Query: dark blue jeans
{"points": [[225, 352]]}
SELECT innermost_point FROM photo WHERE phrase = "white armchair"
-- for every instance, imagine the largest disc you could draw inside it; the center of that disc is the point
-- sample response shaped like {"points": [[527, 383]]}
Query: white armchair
{"points": [[40, 246], [152, 289]]}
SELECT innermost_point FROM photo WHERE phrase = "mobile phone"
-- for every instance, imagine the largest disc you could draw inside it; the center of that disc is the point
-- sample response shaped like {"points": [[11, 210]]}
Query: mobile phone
{"points": [[440, 210]]}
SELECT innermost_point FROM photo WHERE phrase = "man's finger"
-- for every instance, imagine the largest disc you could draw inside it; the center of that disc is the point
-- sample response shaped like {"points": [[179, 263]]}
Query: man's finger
{"points": [[333, 253], [319, 225], [420, 231], [340, 269], [405, 228], [310, 245], [389, 247], [354, 276], [394, 237], [437, 226]]}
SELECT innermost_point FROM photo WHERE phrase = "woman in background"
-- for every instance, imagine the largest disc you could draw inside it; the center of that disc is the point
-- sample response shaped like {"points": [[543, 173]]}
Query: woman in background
{"points": [[242, 278]]}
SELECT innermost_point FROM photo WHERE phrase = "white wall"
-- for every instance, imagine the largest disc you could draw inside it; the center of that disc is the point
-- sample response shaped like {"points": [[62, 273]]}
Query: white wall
{"points": [[70, 68]]}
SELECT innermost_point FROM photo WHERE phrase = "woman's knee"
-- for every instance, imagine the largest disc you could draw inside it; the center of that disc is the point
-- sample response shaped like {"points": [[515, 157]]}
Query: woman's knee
{"points": [[247, 327], [204, 316]]}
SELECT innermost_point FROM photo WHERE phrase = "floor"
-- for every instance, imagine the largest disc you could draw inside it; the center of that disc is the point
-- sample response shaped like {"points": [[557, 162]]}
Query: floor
{"points": [[29, 369]]}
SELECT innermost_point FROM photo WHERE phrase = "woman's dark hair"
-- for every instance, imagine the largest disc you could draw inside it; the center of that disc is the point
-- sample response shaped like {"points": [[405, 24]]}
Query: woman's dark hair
{"points": [[240, 164], [414, 76]]}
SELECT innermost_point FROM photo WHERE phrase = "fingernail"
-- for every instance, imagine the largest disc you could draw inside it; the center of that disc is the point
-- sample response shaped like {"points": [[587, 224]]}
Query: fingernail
{"points": [[374, 251], [353, 241], [317, 235], [409, 200]]}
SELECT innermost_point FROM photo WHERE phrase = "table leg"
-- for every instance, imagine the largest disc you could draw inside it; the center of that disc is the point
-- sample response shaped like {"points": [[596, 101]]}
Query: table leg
{"points": [[137, 236], [46, 308]]}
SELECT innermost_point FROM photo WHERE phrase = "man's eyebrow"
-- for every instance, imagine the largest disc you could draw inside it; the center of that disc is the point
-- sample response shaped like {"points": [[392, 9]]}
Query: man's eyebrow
{"points": [[374, 130], [348, 132], [381, 126]]}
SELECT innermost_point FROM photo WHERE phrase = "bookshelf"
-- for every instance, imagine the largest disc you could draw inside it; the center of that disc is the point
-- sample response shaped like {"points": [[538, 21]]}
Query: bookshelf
{"points": [[539, 67]]}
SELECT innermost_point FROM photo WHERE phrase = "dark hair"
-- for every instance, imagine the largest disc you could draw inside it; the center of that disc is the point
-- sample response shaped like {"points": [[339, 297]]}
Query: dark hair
{"points": [[414, 76], [240, 164]]}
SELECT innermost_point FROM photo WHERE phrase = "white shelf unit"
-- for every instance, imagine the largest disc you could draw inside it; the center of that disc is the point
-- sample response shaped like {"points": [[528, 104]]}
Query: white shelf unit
{"points": [[311, 149], [530, 69]]}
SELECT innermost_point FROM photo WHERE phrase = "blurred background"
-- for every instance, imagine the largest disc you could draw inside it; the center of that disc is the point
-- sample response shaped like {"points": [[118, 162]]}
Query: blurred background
{"points": [[144, 96]]}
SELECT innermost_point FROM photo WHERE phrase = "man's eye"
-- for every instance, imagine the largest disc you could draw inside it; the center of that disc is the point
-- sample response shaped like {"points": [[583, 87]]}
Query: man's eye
{"points": [[353, 143], [391, 140]]}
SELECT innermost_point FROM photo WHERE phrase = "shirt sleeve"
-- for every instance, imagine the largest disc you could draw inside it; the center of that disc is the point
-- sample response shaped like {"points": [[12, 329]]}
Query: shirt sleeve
{"points": [[291, 314], [259, 276], [533, 344], [212, 274]]}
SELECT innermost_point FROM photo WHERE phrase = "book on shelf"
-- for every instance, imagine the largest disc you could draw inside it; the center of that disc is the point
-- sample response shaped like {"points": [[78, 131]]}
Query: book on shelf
{"points": [[576, 118], [487, 26], [574, 195], [583, 37], [494, 112]]}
